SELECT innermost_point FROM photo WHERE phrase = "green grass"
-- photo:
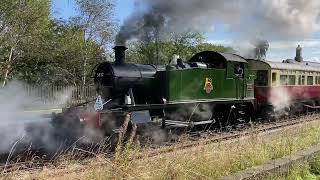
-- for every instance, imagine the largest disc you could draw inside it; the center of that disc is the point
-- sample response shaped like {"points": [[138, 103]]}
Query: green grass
{"points": [[307, 170], [202, 162]]}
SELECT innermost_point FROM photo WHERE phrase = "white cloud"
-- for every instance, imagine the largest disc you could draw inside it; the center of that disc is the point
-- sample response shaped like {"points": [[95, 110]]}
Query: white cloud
{"points": [[315, 59], [279, 50], [308, 43], [231, 43], [220, 42]]}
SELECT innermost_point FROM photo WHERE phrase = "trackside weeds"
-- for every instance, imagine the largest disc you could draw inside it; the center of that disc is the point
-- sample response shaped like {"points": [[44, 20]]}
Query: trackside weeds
{"points": [[203, 162]]}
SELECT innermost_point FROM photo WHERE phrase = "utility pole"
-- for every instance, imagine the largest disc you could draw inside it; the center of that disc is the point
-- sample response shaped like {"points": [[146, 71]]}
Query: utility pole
{"points": [[84, 57], [157, 46]]}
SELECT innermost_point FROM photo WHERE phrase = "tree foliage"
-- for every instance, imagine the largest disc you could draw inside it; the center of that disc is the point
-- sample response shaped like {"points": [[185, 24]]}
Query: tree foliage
{"points": [[96, 20], [38, 49], [161, 52], [24, 27], [98, 27]]}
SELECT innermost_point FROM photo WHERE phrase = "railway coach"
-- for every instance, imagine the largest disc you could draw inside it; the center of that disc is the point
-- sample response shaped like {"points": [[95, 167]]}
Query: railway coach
{"points": [[288, 87]]}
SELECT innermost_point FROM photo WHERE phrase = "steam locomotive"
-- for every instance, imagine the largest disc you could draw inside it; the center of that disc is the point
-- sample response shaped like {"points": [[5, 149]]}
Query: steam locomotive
{"points": [[210, 88]]}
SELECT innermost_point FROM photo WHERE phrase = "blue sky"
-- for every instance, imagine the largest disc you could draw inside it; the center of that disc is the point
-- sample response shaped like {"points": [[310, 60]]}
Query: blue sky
{"points": [[65, 8], [278, 51]]}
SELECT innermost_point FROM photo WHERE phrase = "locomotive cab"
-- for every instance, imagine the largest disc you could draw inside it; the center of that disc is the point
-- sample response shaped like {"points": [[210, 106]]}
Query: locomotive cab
{"points": [[220, 70]]}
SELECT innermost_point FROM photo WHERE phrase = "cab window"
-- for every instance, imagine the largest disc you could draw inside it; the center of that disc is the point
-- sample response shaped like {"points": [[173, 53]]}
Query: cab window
{"points": [[239, 70]]}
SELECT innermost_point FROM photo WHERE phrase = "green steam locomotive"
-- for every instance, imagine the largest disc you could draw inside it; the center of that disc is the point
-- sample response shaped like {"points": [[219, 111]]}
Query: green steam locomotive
{"points": [[210, 88]]}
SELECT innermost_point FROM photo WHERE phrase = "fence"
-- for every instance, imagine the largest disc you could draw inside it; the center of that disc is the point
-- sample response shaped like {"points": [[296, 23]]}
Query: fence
{"points": [[58, 96]]}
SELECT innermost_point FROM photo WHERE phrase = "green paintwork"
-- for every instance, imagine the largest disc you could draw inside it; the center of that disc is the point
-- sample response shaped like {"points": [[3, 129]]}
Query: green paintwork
{"points": [[188, 84]]}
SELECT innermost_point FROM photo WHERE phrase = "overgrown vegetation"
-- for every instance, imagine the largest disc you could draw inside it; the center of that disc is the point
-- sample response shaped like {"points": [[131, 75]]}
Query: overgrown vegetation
{"points": [[308, 170], [202, 162]]}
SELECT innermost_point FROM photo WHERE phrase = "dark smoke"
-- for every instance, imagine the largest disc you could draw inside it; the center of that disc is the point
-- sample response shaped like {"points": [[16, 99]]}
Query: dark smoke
{"points": [[140, 26], [271, 18], [260, 48]]}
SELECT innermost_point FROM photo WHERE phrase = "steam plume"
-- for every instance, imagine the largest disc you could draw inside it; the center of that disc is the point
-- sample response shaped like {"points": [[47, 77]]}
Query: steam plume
{"points": [[281, 100], [16, 124], [269, 18]]}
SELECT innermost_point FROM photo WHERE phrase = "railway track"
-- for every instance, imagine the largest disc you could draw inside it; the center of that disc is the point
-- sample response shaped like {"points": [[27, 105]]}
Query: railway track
{"points": [[245, 131], [194, 139]]}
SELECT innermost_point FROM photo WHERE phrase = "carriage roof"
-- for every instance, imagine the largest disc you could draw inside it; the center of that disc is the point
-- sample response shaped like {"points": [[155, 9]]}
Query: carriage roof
{"points": [[298, 66], [291, 65]]}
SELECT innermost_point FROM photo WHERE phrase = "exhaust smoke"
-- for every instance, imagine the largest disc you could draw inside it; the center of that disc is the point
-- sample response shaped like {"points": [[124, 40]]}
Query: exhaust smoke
{"points": [[283, 19]]}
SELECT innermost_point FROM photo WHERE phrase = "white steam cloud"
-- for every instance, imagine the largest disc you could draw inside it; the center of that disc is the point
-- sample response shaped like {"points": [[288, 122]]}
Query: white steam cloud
{"points": [[15, 121], [281, 100], [285, 19]]}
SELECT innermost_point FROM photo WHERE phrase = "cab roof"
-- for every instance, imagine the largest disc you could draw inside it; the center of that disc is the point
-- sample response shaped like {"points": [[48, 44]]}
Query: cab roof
{"points": [[209, 56]]}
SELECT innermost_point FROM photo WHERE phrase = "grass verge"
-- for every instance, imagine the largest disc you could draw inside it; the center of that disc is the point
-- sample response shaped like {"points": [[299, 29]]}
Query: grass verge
{"points": [[203, 162], [308, 170]]}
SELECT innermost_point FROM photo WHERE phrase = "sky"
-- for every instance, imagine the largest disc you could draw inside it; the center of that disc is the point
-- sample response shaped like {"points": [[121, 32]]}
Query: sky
{"points": [[278, 51]]}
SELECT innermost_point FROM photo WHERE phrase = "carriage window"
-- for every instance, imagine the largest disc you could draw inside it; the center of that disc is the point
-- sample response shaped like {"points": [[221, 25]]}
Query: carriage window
{"points": [[310, 80], [283, 80], [318, 80], [262, 78], [274, 79], [303, 80], [299, 80], [292, 80]]}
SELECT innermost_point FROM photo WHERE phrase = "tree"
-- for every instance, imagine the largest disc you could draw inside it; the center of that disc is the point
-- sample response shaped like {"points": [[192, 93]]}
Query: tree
{"points": [[37, 49], [155, 51], [70, 51], [98, 25], [23, 25], [63, 63]]}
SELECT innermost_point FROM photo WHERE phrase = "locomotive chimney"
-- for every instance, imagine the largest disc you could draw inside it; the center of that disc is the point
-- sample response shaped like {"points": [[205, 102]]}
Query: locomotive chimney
{"points": [[120, 54], [298, 57]]}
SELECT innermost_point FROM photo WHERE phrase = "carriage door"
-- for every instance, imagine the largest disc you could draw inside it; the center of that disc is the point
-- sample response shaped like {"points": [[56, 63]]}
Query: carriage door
{"points": [[239, 80]]}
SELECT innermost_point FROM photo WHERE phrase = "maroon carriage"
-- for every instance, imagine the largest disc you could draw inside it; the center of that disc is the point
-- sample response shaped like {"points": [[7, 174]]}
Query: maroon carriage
{"points": [[286, 86]]}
